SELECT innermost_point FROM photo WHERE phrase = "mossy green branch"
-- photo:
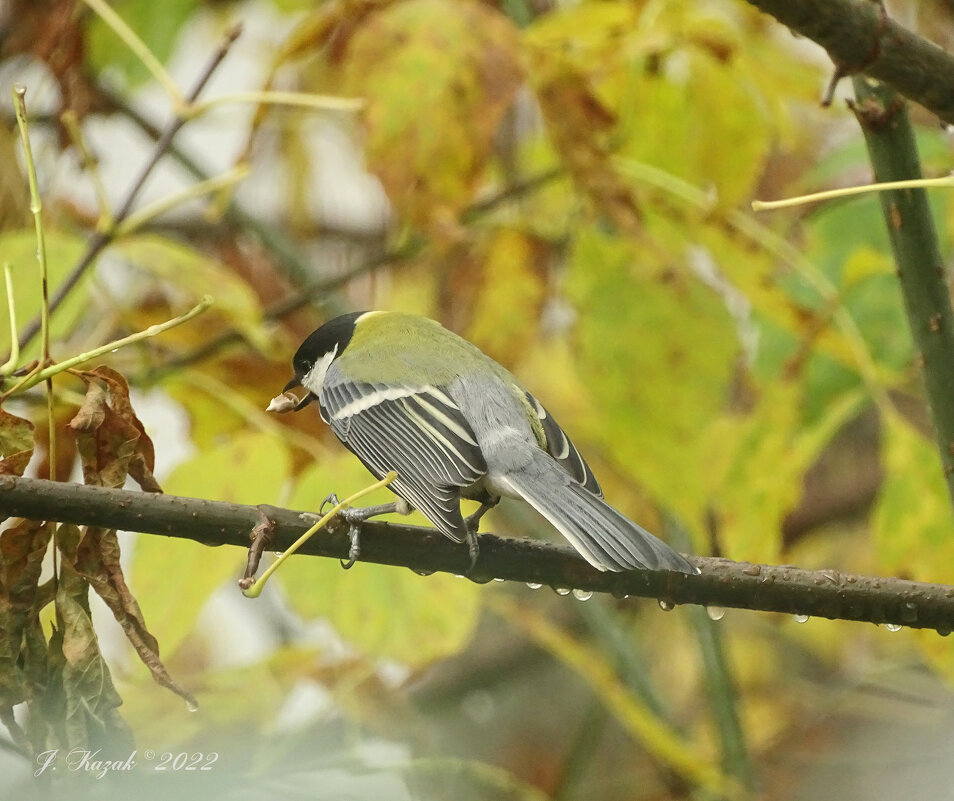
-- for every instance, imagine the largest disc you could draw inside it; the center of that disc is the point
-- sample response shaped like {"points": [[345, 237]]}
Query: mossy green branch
{"points": [[927, 301]]}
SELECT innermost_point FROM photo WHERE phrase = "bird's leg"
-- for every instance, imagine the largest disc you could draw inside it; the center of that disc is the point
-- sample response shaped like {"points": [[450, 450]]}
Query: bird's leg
{"points": [[355, 517], [473, 521], [473, 548]]}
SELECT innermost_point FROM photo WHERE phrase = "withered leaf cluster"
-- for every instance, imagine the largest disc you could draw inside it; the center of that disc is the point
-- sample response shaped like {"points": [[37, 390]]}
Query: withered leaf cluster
{"points": [[50, 660]]}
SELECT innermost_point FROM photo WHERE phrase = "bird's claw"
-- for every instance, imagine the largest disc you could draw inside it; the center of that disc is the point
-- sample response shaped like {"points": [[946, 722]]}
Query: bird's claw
{"points": [[355, 517], [331, 499], [354, 551]]}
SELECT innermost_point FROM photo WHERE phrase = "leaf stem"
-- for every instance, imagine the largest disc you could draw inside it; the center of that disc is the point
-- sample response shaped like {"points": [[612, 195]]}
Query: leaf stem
{"points": [[150, 212], [36, 207], [41, 375], [106, 219], [946, 181], [275, 98], [10, 365]]}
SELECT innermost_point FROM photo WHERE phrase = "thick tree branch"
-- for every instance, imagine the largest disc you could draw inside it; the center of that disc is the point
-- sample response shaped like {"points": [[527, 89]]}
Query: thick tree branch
{"points": [[825, 593], [859, 38]]}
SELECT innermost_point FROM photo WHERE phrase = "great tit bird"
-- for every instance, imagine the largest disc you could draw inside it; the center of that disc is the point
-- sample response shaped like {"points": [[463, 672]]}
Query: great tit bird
{"points": [[405, 394]]}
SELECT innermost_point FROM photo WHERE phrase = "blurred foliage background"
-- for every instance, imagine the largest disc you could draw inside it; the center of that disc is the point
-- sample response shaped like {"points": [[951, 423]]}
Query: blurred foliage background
{"points": [[567, 185]]}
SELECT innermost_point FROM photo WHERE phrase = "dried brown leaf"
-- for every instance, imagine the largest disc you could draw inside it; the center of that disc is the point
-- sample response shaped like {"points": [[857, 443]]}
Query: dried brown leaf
{"points": [[16, 443], [111, 439], [97, 560], [143, 461], [22, 549], [79, 672]]}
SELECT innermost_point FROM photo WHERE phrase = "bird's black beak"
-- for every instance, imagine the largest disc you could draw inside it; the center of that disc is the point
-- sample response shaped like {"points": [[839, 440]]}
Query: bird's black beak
{"points": [[307, 398]]}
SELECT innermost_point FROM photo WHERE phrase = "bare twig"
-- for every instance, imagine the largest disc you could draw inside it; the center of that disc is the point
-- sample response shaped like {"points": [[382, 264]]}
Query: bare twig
{"points": [[770, 588], [101, 239]]}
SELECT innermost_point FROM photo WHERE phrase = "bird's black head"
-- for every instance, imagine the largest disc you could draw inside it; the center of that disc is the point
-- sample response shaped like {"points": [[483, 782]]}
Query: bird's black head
{"points": [[332, 338]]}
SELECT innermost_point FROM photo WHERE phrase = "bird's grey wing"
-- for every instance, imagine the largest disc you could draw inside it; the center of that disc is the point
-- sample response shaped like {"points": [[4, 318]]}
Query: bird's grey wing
{"points": [[417, 431], [563, 450]]}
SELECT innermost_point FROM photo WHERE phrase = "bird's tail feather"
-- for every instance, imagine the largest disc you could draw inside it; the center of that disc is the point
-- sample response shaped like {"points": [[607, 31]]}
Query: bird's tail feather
{"points": [[604, 537]]}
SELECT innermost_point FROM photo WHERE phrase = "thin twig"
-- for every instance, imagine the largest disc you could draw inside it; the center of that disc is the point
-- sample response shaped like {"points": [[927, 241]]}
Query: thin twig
{"points": [[10, 364], [38, 375], [101, 239]]}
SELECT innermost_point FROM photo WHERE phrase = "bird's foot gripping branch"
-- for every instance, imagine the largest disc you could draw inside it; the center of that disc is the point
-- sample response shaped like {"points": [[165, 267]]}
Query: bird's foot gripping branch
{"points": [[263, 532]]}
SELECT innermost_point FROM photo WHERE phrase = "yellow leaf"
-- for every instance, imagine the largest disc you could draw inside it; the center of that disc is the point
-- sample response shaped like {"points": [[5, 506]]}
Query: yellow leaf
{"points": [[755, 464], [656, 348], [511, 288], [862, 264], [912, 519]]}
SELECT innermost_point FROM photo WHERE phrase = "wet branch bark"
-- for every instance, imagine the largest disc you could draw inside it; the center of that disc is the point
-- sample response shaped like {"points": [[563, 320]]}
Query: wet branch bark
{"points": [[824, 593]]}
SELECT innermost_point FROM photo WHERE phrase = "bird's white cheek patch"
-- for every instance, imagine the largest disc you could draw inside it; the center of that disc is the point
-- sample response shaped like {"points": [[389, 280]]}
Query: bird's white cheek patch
{"points": [[314, 379]]}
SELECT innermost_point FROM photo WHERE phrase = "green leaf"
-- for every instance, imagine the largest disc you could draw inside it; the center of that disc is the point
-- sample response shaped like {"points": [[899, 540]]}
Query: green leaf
{"points": [[63, 251], [658, 366], [173, 578], [385, 612], [157, 24]]}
